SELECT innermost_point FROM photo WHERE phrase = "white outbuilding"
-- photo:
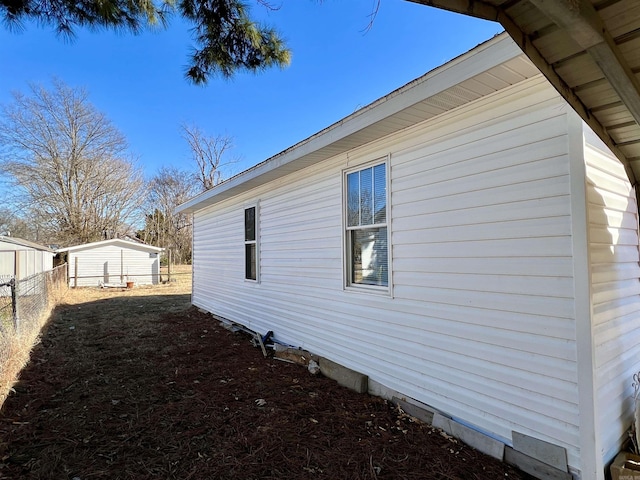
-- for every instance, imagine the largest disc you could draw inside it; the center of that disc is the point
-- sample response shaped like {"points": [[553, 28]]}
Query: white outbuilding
{"points": [[466, 242], [21, 258], [115, 261]]}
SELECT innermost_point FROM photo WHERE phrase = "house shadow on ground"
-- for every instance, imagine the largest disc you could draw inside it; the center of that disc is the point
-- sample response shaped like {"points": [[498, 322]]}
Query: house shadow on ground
{"points": [[149, 387]]}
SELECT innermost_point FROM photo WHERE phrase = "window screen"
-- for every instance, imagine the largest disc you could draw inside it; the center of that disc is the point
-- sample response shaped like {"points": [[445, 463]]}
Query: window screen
{"points": [[367, 233]]}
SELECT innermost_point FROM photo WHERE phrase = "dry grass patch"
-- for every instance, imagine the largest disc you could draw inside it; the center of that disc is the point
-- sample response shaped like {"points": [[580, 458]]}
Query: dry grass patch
{"points": [[180, 275], [16, 346], [180, 284]]}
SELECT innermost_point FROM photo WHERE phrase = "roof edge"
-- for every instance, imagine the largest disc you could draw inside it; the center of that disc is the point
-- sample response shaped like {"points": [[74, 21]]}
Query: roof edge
{"points": [[143, 246], [435, 81], [25, 243]]}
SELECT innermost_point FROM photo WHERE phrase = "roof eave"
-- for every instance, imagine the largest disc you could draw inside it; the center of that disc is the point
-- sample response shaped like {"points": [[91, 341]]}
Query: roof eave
{"points": [[588, 51], [25, 243], [142, 246], [487, 55]]}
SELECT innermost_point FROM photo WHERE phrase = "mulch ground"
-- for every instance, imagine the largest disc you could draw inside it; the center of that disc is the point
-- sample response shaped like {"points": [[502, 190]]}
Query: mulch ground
{"points": [[146, 387]]}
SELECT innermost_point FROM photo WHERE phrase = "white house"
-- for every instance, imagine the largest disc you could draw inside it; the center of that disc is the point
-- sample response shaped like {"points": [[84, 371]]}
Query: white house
{"points": [[465, 241], [113, 261], [21, 258]]}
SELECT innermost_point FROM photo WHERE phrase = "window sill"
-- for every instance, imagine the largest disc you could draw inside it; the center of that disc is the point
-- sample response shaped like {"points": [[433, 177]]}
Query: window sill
{"points": [[369, 289]]}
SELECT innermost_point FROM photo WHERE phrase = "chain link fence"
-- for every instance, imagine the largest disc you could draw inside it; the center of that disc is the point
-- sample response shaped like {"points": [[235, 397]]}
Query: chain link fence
{"points": [[25, 303], [6, 301], [25, 306]]}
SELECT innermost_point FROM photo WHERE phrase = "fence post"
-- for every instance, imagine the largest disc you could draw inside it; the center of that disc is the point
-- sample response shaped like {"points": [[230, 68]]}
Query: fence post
{"points": [[169, 267], [14, 302], [48, 278], [16, 264], [75, 273]]}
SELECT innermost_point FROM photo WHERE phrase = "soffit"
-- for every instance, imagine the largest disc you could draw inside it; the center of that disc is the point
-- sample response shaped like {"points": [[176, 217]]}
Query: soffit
{"points": [[588, 49]]}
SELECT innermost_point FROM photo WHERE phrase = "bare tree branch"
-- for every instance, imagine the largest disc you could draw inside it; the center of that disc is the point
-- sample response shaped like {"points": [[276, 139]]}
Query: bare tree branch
{"points": [[210, 154], [372, 16], [169, 188], [268, 5], [69, 162]]}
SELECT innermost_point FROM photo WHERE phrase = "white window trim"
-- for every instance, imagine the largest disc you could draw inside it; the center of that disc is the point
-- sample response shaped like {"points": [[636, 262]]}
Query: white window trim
{"points": [[346, 250], [249, 242]]}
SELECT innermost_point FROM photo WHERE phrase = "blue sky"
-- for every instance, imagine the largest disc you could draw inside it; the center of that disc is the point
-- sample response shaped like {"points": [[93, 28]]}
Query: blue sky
{"points": [[337, 67]]}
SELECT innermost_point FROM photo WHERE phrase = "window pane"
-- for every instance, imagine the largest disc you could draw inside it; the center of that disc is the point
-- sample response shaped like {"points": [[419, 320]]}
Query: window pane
{"points": [[353, 199], [366, 196], [250, 224], [380, 192], [369, 258], [250, 261]]}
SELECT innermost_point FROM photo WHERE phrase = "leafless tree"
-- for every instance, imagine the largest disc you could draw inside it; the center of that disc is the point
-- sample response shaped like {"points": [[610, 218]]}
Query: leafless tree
{"points": [[69, 163], [167, 189], [210, 154], [15, 226]]}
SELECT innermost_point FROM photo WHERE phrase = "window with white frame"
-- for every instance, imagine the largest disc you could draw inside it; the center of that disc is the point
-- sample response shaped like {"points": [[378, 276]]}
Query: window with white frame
{"points": [[250, 244], [366, 221]]}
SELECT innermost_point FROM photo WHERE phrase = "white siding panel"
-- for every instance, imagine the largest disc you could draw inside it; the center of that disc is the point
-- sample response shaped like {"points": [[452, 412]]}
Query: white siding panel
{"points": [[536, 206], [501, 248], [603, 216], [511, 267], [554, 226], [481, 323], [106, 264], [461, 199], [30, 260], [480, 158], [516, 304], [7, 262], [613, 238], [488, 283]]}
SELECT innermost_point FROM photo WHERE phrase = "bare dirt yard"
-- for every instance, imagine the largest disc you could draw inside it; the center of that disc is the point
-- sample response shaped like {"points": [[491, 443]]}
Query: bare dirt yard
{"points": [[137, 384]]}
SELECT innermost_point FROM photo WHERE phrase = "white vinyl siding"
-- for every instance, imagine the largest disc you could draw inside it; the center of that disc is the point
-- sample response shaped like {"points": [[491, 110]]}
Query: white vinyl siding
{"points": [[113, 263], [30, 261], [300, 255], [482, 236], [481, 323], [613, 235]]}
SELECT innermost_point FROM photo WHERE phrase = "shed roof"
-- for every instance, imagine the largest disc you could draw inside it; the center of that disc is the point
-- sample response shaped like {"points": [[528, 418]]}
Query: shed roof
{"points": [[24, 243], [590, 52], [113, 241], [489, 67]]}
